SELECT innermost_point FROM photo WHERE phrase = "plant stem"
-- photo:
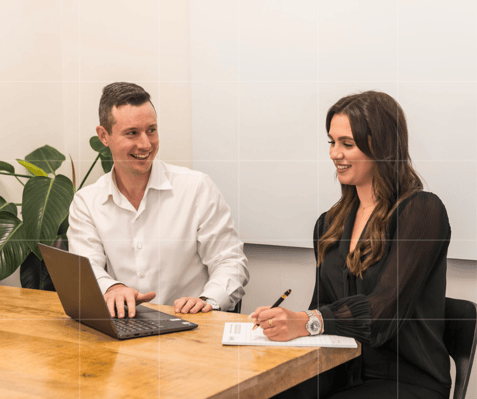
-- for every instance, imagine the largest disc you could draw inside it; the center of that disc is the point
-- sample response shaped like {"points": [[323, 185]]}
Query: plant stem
{"points": [[89, 171], [23, 184], [15, 174]]}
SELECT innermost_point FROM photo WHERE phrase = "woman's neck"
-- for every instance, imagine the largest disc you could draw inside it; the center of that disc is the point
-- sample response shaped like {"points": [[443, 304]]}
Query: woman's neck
{"points": [[366, 196]]}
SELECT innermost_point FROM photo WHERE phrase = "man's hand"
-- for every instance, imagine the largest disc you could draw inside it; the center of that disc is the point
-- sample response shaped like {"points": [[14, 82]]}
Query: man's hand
{"points": [[191, 305], [117, 294], [280, 324]]}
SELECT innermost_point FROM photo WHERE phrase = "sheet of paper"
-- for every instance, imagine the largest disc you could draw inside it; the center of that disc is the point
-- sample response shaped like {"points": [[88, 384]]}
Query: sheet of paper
{"points": [[242, 334]]}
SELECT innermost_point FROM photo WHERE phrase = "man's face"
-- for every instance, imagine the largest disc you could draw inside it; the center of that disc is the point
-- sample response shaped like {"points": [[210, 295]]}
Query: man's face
{"points": [[134, 139]]}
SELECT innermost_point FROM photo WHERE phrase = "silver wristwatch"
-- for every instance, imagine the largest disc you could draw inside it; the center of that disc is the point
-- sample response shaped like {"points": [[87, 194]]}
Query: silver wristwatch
{"points": [[314, 325], [210, 301]]}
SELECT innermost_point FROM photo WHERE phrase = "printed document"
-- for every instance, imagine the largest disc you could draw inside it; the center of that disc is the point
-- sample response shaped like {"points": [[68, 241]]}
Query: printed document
{"points": [[242, 334]]}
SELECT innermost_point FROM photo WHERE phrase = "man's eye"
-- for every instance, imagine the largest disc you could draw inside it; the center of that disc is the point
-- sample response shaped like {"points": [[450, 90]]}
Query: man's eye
{"points": [[331, 142], [132, 133], [153, 130]]}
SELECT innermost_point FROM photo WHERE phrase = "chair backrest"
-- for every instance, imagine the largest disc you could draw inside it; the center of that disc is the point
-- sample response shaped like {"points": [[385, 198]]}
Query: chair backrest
{"points": [[237, 309], [460, 338]]}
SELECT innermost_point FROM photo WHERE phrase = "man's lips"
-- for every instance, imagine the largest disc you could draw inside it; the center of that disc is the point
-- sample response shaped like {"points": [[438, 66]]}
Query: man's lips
{"points": [[141, 156]]}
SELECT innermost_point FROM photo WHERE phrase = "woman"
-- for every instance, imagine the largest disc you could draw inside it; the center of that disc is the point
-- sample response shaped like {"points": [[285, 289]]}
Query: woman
{"points": [[381, 255]]}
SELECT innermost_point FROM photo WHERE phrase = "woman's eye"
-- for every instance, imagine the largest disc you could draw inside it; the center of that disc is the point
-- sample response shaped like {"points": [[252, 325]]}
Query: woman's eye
{"points": [[348, 145]]}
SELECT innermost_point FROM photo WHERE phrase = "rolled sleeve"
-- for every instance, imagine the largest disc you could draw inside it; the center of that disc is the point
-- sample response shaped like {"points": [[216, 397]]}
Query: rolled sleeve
{"points": [[220, 248], [84, 240]]}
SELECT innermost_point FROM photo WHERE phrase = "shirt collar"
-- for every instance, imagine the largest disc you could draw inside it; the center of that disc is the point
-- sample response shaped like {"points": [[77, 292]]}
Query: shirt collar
{"points": [[157, 181]]}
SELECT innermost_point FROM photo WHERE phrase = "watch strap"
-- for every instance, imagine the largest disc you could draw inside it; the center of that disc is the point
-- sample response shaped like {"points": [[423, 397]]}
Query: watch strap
{"points": [[314, 325], [210, 301]]}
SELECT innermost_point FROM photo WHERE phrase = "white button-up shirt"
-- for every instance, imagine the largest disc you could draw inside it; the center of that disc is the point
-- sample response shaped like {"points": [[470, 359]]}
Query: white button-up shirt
{"points": [[180, 242]]}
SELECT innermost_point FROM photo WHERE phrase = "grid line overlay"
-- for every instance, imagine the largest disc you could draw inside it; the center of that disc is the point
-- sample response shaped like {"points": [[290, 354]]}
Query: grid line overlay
{"points": [[240, 162]]}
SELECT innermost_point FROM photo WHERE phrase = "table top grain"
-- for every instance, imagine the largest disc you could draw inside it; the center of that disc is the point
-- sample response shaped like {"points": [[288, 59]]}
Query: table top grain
{"points": [[46, 354]]}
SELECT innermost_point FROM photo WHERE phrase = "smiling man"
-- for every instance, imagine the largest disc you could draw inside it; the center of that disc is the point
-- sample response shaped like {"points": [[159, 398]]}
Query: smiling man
{"points": [[153, 231]]}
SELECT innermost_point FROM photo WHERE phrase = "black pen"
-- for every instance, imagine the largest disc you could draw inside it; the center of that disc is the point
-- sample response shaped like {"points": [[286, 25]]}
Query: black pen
{"points": [[277, 303]]}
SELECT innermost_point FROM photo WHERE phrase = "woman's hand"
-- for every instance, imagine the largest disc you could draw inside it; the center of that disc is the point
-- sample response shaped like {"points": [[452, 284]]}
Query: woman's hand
{"points": [[280, 324]]}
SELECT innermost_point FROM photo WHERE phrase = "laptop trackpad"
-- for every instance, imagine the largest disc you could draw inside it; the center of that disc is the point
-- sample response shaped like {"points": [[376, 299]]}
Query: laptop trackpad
{"points": [[143, 309], [143, 312]]}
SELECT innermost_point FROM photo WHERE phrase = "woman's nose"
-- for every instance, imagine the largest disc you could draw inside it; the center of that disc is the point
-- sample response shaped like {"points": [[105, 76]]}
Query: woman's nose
{"points": [[335, 153]]}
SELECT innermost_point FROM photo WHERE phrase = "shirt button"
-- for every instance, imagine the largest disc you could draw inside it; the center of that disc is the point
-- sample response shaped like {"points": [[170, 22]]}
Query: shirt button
{"points": [[139, 246], [142, 274]]}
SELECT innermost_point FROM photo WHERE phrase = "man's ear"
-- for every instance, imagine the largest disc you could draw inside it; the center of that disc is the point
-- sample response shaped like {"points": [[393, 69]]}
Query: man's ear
{"points": [[102, 135]]}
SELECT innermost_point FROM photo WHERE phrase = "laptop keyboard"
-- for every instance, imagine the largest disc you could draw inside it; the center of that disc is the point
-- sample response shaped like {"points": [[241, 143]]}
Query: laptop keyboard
{"points": [[134, 325]]}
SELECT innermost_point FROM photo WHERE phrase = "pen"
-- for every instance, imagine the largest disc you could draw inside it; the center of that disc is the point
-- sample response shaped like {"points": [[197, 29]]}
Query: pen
{"points": [[277, 303]]}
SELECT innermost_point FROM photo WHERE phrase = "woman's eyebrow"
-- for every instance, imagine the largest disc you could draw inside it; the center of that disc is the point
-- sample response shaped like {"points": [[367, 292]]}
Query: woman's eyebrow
{"points": [[341, 138]]}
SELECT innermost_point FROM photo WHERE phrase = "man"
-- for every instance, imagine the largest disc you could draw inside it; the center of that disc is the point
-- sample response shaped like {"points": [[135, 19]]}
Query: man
{"points": [[150, 228]]}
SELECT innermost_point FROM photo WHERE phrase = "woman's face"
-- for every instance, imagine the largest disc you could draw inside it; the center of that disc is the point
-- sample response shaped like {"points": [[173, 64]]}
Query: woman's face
{"points": [[353, 166]]}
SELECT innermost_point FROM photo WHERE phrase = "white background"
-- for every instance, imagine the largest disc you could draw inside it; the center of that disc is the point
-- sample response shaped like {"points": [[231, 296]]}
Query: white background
{"points": [[264, 74], [242, 89]]}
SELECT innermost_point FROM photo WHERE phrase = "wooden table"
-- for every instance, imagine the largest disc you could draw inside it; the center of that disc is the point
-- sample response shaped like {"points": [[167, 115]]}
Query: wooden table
{"points": [[45, 354]]}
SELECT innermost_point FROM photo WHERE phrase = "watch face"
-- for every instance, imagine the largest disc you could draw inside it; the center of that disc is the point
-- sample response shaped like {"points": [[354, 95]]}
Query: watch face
{"points": [[315, 326], [215, 305]]}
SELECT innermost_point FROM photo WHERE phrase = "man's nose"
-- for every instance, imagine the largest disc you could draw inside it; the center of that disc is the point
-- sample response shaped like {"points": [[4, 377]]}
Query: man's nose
{"points": [[143, 141]]}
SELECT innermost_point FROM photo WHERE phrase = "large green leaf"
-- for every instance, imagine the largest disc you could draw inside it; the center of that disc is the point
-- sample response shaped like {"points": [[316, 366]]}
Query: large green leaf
{"points": [[7, 167], [106, 162], [63, 228], [104, 153], [32, 168], [13, 246], [46, 158], [46, 204], [34, 274], [98, 146], [8, 206]]}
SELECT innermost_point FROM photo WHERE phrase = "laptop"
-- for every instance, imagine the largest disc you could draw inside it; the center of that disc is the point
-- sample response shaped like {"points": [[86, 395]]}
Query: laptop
{"points": [[83, 301]]}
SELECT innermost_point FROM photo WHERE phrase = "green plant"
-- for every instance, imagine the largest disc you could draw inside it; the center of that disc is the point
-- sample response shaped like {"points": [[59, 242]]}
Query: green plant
{"points": [[44, 212]]}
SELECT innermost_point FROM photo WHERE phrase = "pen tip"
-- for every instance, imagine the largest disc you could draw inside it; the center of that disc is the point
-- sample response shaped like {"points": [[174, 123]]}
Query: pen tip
{"points": [[254, 327]]}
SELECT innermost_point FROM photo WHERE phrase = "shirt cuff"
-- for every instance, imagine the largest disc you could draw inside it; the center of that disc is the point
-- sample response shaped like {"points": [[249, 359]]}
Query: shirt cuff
{"points": [[105, 283], [221, 297], [329, 322]]}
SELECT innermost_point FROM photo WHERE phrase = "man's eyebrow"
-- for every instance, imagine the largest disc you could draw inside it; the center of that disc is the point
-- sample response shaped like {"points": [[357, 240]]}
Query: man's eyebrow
{"points": [[128, 129], [136, 128]]}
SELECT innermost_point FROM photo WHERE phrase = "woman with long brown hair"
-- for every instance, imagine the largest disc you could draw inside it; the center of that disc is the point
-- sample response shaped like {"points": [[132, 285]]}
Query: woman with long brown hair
{"points": [[381, 264]]}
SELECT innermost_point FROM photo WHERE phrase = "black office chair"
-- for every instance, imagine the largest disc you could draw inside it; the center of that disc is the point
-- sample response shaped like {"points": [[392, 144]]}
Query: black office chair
{"points": [[237, 309], [460, 338]]}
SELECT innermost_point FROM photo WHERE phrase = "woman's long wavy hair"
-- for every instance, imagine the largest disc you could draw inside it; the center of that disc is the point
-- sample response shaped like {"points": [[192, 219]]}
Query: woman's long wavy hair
{"points": [[380, 132]]}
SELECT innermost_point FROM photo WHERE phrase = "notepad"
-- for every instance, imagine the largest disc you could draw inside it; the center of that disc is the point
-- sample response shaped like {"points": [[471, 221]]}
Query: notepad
{"points": [[242, 334]]}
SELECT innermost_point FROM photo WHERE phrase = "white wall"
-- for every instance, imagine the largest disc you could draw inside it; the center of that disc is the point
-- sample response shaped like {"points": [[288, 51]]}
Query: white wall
{"points": [[57, 55], [265, 72]]}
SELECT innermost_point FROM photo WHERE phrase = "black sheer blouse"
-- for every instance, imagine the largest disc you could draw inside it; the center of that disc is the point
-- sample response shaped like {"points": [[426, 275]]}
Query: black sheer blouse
{"points": [[397, 309]]}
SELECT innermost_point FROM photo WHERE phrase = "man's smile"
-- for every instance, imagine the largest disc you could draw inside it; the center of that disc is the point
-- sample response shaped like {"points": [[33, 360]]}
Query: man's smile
{"points": [[141, 156]]}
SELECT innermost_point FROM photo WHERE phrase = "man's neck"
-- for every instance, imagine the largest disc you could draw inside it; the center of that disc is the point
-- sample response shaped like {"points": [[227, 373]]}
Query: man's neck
{"points": [[132, 186]]}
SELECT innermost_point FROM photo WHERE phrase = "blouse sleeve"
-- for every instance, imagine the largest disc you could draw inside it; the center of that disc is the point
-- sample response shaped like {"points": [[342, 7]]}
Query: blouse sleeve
{"points": [[418, 236], [320, 297]]}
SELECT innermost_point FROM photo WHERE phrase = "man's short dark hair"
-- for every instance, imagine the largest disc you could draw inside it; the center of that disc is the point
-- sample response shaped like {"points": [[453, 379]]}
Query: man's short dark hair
{"points": [[117, 94]]}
